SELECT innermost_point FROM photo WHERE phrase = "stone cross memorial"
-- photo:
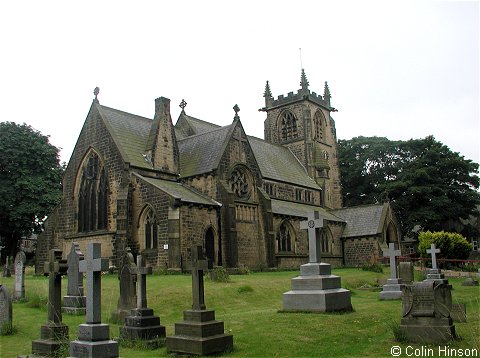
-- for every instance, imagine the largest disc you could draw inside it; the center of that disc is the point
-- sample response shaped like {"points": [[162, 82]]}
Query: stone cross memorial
{"points": [[435, 274], [5, 307], [199, 333], [93, 336], [141, 324], [392, 290], [54, 333], [74, 302], [316, 289], [19, 284]]}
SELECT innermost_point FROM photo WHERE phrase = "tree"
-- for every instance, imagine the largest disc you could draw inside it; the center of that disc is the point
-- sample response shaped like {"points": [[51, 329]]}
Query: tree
{"points": [[428, 185], [452, 245], [30, 182]]}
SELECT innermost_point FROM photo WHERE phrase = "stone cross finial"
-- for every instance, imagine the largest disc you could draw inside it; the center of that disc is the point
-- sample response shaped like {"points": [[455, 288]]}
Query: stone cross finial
{"points": [[182, 105], [142, 273], [55, 268], [313, 223], [199, 264], [93, 265], [96, 91], [236, 108], [391, 253], [433, 251]]}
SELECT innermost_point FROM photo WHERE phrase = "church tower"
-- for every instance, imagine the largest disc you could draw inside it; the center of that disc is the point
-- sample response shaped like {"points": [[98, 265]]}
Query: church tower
{"points": [[301, 122]]}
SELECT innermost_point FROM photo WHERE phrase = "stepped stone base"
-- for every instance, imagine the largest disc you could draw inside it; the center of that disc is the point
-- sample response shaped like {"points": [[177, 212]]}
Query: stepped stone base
{"points": [[392, 290], [52, 336], [317, 290], [94, 341], [437, 276], [142, 325], [428, 330], [199, 333], [74, 304]]}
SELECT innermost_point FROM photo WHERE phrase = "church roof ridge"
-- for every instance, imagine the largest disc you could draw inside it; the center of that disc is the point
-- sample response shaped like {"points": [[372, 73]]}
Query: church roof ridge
{"points": [[206, 133], [123, 112]]}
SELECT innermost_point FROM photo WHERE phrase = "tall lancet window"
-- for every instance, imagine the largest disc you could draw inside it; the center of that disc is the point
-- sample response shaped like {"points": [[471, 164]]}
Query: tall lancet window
{"points": [[92, 196], [151, 230], [319, 124], [288, 125], [285, 238]]}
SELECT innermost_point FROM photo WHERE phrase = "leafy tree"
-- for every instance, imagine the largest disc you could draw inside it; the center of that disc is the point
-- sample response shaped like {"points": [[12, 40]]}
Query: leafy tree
{"points": [[30, 182], [452, 245], [427, 184]]}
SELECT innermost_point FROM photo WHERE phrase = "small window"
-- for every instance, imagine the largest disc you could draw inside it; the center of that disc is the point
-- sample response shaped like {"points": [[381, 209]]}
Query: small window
{"points": [[270, 189], [298, 194], [308, 196]]}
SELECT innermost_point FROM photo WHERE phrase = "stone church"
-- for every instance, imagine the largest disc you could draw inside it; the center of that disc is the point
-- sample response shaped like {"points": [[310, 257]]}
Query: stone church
{"points": [[162, 189]]}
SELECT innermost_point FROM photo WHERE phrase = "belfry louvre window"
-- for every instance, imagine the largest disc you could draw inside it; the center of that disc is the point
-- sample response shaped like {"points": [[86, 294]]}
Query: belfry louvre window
{"points": [[93, 196], [288, 126]]}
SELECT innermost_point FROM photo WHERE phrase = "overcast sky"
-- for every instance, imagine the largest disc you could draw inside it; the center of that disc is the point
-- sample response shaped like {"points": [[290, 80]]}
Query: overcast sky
{"points": [[396, 69]]}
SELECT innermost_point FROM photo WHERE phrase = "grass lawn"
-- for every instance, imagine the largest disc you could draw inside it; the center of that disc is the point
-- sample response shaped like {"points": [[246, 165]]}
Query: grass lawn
{"points": [[249, 306]]}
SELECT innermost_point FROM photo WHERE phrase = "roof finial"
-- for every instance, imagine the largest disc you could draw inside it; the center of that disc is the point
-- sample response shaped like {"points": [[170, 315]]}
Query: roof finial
{"points": [[96, 91], [326, 93], [303, 80], [236, 108], [182, 105]]}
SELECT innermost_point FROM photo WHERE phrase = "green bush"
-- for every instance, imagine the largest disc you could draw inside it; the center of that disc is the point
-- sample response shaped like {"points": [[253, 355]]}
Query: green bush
{"points": [[219, 274], [452, 245]]}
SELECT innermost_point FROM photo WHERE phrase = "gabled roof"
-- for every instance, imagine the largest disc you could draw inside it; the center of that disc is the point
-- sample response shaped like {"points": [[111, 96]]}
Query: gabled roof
{"points": [[363, 220], [278, 163], [201, 153], [300, 210], [179, 191], [187, 126]]}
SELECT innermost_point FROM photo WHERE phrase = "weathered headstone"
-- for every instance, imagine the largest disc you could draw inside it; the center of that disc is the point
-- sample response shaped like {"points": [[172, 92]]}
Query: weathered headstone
{"points": [[392, 290], [6, 270], [75, 301], [405, 272], [434, 274], [316, 289], [19, 284], [199, 333], [127, 299], [54, 333], [459, 312], [469, 281], [426, 313], [93, 336], [5, 307], [141, 324]]}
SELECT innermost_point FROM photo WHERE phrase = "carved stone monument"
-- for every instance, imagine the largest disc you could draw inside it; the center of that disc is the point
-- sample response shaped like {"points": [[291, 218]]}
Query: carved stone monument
{"points": [[426, 313], [5, 307], [199, 333], [75, 301], [434, 273], [94, 336], [54, 333], [127, 299], [141, 324], [392, 290], [405, 272], [19, 284], [316, 289]]}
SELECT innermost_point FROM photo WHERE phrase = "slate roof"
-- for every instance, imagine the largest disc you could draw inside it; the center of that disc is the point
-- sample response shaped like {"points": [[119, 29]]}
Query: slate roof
{"points": [[300, 210], [364, 220], [186, 123], [179, 191], [279, 163]]}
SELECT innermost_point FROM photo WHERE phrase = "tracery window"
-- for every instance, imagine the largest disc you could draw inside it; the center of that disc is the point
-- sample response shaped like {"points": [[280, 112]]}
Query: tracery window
{"points": [[239, 182], [92, 196], [288, 125], [151, 230], [285, 237], [324, 244]]}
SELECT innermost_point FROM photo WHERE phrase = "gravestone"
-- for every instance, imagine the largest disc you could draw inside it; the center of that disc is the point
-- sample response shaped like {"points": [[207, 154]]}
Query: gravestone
{"points": [[316, 289], [459, 312], [127, 299], [426, 313], [93, 336], [434, 274], [75, 301], [199, 333], [6, 270], [54, 333], [141, 324], [469, 281], [405, 272], [5, 307], [392, 290], [19, 284]]}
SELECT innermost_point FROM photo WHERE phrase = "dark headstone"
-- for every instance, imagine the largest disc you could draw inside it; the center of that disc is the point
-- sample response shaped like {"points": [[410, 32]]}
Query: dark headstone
{"points": [[74, 302], [426, 313], [19, 284], [127, 299], [141, 324], [93, 336], [5, 307], [405, 272], [459, 312], [54, 333], [199, 333]]}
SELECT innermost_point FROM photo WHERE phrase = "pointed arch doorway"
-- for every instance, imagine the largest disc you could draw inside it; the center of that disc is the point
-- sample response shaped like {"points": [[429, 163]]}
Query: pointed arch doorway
{"points": [[210, 247]]}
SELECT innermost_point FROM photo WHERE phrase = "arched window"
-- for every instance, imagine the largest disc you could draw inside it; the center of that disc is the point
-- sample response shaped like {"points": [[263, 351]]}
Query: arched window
{"points": [[324, 242], [288, 125], [319, 124], [92, 196], [285, 238], [151, 230]]}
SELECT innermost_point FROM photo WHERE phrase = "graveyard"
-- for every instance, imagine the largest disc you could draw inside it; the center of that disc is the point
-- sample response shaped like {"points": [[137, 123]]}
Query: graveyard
{"points": [[250, 306]]}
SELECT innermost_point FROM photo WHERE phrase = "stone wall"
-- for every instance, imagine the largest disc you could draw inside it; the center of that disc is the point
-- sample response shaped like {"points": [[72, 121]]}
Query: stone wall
{"points": [[359, 251]]}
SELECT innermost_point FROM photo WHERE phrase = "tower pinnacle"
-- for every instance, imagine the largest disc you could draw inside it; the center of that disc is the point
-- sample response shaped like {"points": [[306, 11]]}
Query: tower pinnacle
{"points": [[304, 82]]}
